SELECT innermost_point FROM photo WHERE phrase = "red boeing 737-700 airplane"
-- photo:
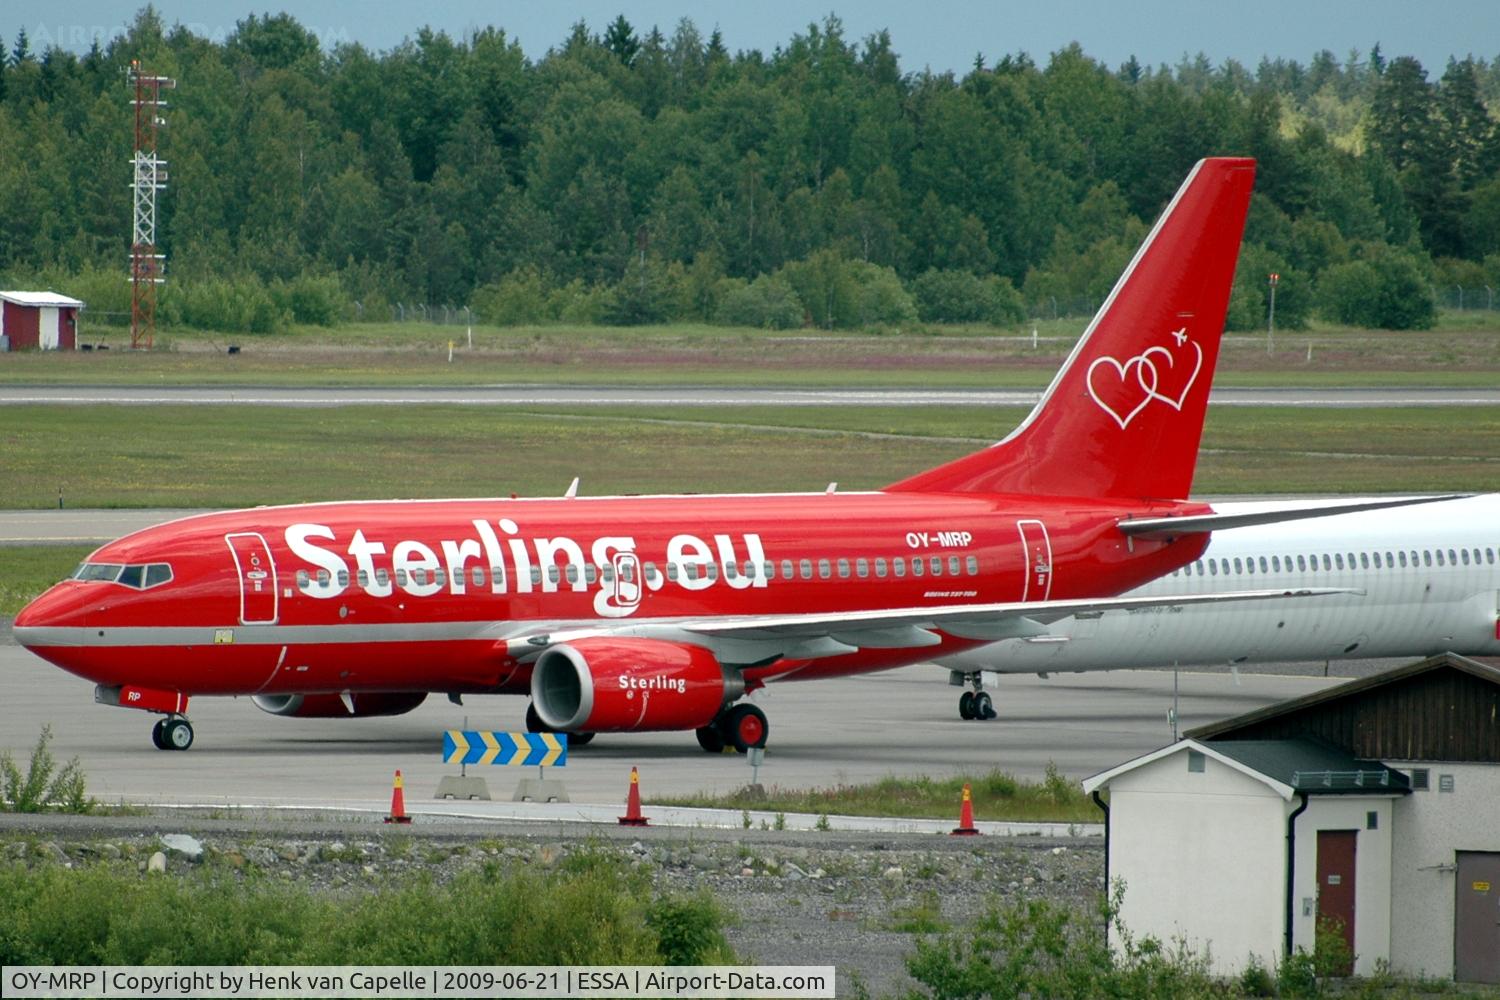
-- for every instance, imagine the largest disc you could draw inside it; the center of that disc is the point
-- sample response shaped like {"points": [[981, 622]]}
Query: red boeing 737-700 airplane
{"points": [[662, 612]]}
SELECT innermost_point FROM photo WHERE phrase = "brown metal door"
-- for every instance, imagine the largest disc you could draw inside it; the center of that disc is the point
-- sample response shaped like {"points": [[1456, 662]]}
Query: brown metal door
{"points": [[1476, 919], [257, 573], [1336, 867]]}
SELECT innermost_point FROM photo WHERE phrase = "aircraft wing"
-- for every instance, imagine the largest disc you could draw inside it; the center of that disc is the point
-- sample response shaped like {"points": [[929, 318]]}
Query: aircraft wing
{"points": [[1192, 524], [755, 639]]}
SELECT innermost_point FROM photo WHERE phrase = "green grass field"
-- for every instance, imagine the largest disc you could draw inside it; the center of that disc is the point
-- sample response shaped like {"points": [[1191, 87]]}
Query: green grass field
{"points": [[218, 456], [1460, 352], [226, 456]]}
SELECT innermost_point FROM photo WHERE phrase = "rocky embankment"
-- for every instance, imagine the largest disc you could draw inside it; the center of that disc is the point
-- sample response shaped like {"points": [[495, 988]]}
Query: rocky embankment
{"points": [[797, 898]]}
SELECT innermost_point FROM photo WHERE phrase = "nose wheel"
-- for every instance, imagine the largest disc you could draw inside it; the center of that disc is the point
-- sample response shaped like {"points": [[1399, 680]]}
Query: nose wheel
{"points": [[172, 733]]}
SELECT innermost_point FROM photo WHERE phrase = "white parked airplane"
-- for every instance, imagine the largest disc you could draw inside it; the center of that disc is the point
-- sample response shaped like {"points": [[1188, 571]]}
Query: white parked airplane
{"points": [[1423, 582]]}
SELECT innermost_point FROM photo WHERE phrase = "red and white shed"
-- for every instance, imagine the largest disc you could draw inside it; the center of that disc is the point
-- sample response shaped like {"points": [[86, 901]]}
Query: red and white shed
{"points": [[38, 320]]}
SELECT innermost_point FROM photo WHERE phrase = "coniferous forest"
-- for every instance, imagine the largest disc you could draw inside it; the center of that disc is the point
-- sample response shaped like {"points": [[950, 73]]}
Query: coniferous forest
{"points": [[636, 174]]}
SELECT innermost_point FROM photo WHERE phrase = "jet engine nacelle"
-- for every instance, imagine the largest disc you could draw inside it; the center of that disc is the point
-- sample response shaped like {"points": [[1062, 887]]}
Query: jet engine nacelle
{"points": [[609, 685], [333, 706]]}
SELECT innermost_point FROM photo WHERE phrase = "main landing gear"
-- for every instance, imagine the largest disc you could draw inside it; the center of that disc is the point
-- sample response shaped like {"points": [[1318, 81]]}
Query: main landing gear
{"points": [[172, 733], [975, 704], [743, 726], [534, 724]]}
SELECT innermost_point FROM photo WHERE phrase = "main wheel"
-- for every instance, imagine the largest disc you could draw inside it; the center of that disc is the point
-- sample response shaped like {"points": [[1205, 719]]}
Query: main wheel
{"points": [[966, 705], [177, 734], [745, 726], [984, 707], [534, 723], [710, 738], [579, 739], [158, 736]]}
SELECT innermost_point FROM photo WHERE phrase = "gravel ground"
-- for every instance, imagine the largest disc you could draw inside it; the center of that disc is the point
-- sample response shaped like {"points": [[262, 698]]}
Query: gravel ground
{"points": [[852, 901]]}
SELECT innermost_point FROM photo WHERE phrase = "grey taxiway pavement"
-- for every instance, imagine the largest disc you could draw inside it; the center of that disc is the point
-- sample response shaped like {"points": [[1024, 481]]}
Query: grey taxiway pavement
{"points": [[855, 730], [555, 395]]}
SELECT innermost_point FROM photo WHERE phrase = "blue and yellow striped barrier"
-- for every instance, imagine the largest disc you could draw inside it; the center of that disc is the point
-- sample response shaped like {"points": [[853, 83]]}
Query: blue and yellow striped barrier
{"points": [[519, 749]]}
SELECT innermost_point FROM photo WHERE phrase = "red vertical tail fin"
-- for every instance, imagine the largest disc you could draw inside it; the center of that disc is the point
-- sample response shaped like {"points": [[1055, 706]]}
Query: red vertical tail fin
{"points": [[1124, 416]]}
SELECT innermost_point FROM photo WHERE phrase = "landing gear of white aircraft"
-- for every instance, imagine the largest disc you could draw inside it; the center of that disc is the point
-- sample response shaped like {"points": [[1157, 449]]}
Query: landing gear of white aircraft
{"points": [[742, 727], [172, 733], [534, 724], [975, 704]]}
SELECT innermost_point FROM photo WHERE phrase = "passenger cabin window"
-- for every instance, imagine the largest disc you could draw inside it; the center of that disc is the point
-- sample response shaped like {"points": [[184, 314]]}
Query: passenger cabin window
{"points": [[936, 565], [898, 566], [916, 566], [343, 577], [786, 569], [804, 569], [971, 564], [862, 567], [381, 577], [825, 569], [843, 569], [880, 569], [1302, 564], [400, 577], [477, 576], [953, 565]]}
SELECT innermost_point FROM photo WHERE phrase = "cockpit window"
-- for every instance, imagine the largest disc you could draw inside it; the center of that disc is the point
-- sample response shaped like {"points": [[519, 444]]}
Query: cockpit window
{"points": [[138, 576]]}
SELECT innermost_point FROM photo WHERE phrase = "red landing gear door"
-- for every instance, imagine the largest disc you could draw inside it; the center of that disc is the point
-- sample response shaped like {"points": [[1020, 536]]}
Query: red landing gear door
{"points": [[1038, 548], [257, 575]]}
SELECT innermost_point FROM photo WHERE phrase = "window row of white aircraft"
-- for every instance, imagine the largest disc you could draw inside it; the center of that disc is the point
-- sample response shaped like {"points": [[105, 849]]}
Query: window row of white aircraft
{"points": [[1417, 585]]}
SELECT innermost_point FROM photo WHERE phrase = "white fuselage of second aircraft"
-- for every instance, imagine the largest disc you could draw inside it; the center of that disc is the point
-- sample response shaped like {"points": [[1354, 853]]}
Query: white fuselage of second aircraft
{"points": [[1427, 580]]}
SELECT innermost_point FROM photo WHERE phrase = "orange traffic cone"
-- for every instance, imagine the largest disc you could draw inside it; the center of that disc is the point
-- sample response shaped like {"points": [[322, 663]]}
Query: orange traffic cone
{"points": [[966, 827], [633, 815], [398, 803]]}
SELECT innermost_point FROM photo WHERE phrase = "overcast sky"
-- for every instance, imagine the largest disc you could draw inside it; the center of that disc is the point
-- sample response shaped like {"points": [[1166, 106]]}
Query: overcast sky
{"points": [[938, 35]]}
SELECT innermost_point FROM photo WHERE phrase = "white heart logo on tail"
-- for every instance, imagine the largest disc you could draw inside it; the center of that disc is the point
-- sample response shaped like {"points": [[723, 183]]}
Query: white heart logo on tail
{"points": [[1151, 390], [1121, 372]]}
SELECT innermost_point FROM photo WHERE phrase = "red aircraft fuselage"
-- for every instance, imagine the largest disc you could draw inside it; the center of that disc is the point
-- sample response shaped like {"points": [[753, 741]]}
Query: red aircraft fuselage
{"points": [[626, 613]]}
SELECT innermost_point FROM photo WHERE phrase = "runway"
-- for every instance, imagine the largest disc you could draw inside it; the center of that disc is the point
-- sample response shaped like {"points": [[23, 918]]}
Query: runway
{"points": [[556, 395], [856, 730]]}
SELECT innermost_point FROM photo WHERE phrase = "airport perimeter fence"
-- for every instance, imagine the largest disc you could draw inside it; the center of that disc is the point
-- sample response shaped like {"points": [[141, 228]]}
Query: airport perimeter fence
{"points": [[1467, 298]]}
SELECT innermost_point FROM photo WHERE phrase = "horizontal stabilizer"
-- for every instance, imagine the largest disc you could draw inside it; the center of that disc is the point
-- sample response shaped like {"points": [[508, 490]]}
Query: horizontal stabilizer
{"points": [[1195, 524]]}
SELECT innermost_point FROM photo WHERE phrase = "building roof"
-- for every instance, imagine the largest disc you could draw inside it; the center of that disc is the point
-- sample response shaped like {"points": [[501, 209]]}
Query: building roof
{"points": [[1313, 767], [1286, 766], [40, 299], [1440, 709]]}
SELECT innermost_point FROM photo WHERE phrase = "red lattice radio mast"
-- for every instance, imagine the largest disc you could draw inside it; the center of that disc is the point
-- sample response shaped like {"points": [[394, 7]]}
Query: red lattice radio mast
{"points": [[146, 265]]}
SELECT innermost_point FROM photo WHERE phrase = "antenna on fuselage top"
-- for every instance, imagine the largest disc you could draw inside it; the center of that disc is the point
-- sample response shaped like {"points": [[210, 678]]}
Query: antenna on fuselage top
{"points": [[572, 489], [832, 488]]}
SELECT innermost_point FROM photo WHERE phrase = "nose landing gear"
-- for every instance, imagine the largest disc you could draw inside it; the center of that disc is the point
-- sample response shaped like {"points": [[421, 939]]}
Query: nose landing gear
{"points": [[174, 732]]}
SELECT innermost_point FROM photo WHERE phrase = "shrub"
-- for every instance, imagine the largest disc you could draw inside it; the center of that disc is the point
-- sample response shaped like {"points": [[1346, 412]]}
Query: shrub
{"points": [[1386, 290], [521, 298], [1249, 301], [597, 916], [579, 303], [317, 300], [1036, 948], [43, 786], [965, 297], [239, 305], [846, 294], [768, 303], [688, 929]]}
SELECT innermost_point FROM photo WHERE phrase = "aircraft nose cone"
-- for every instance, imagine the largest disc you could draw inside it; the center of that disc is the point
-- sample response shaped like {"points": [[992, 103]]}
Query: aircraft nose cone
{"points": [[62, 605]]}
